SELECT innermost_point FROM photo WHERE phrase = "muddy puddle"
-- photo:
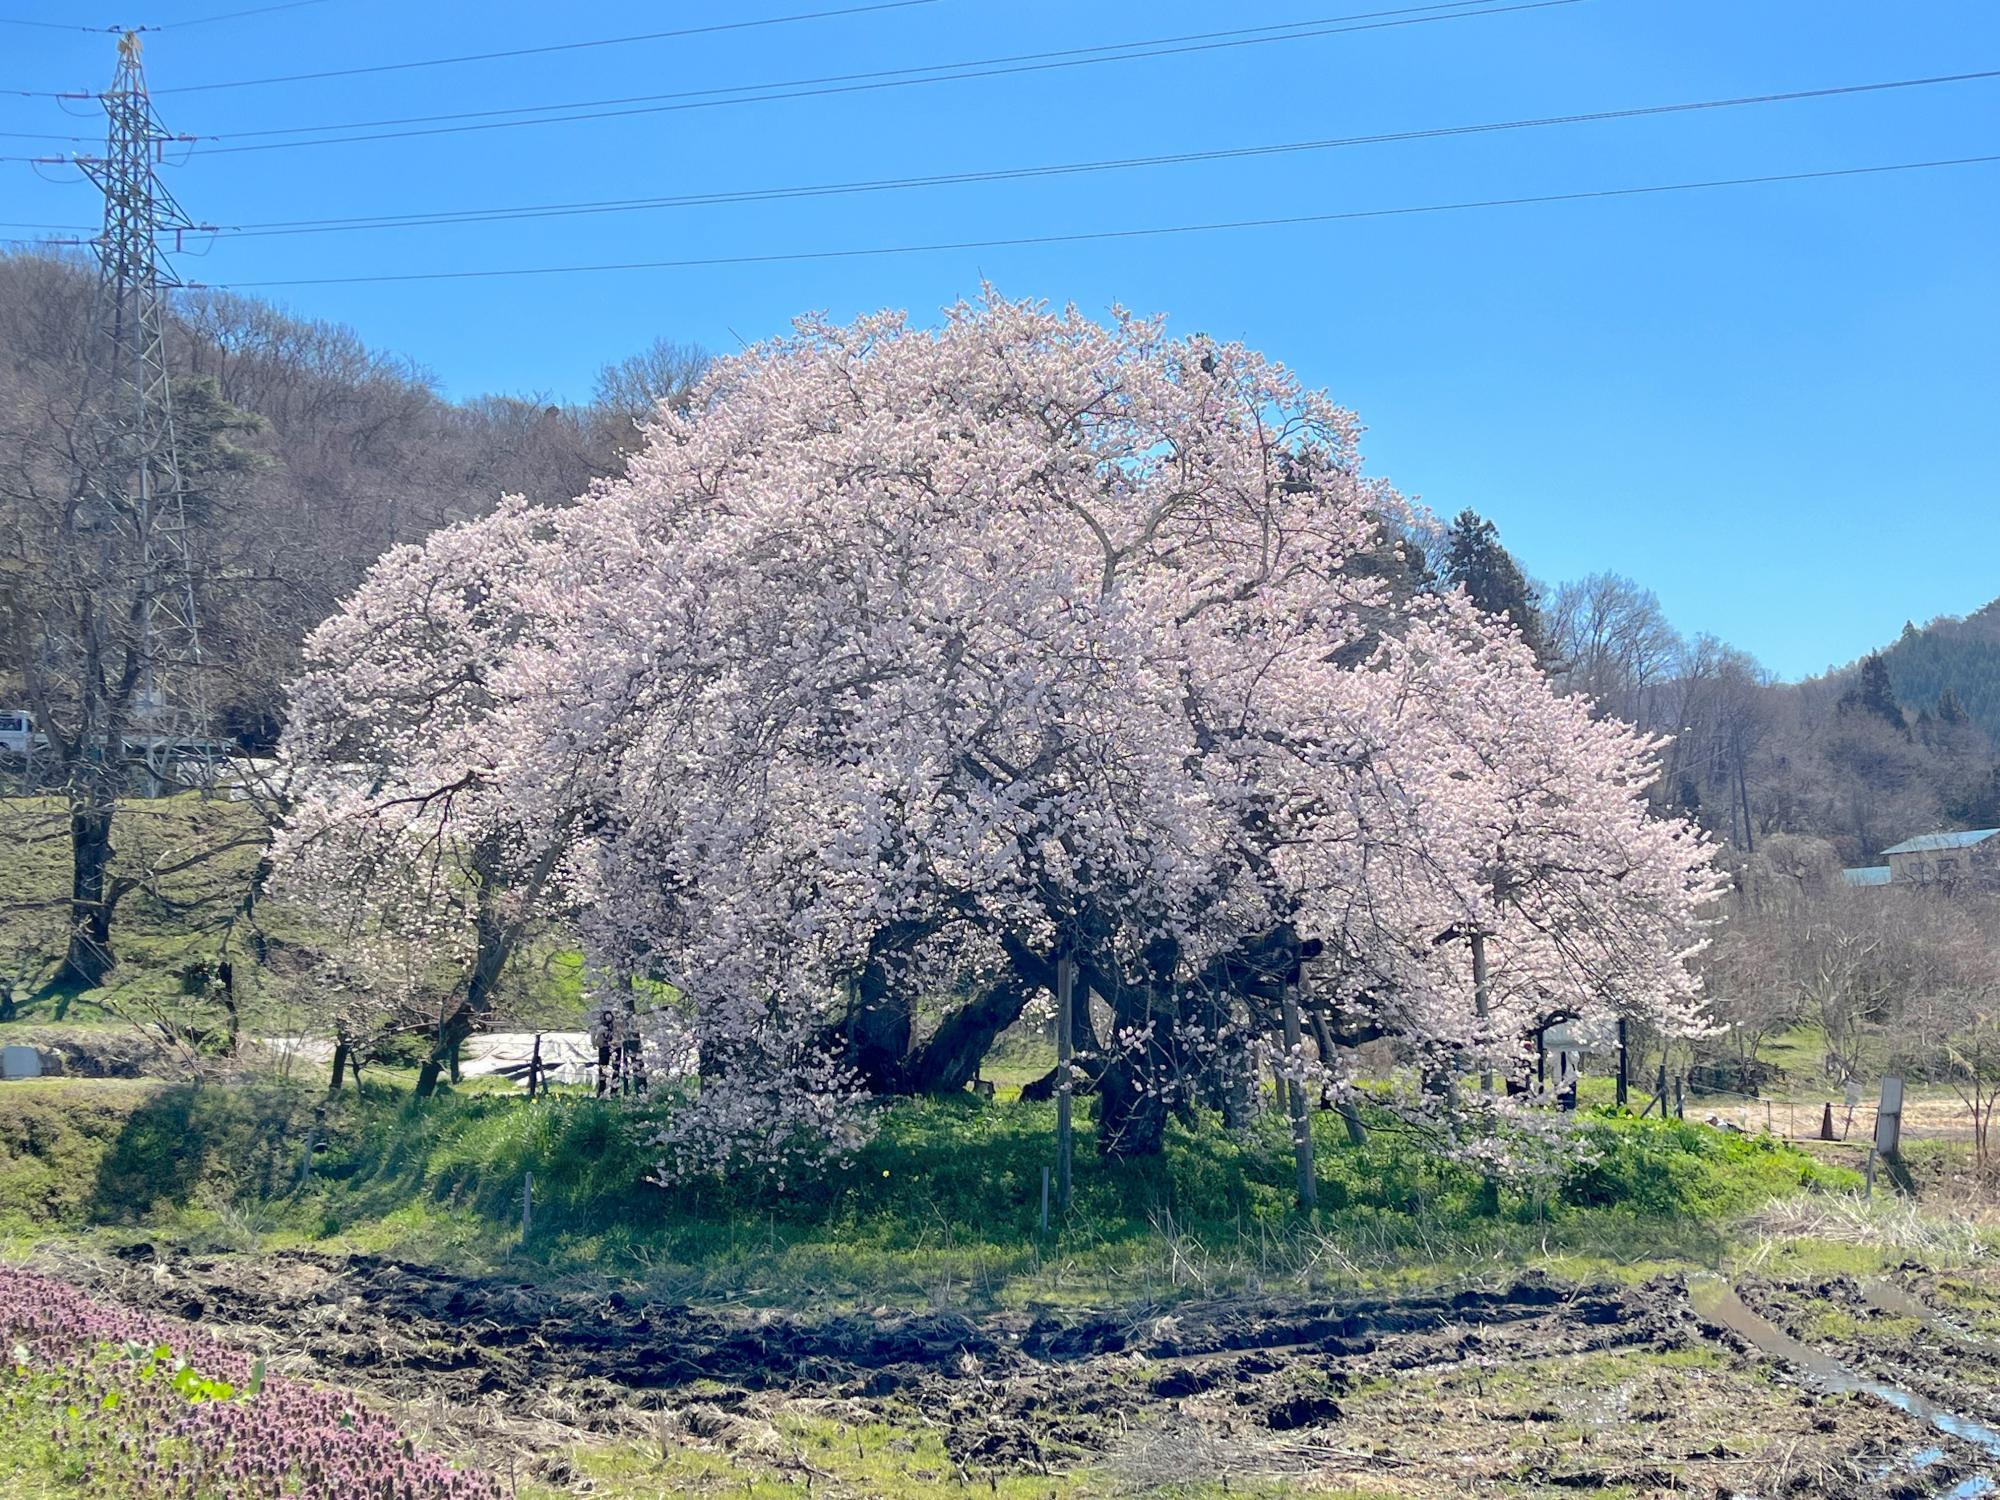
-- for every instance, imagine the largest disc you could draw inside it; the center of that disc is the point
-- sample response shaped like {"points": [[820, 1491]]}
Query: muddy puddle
{"points": [[1716, 1300], [1537, 1387]]}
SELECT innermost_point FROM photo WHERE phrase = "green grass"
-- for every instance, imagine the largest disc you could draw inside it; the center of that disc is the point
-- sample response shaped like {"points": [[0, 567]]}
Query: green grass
{"points": [[29, 1468], [167, 934], [155, 932], [942, 1206]]}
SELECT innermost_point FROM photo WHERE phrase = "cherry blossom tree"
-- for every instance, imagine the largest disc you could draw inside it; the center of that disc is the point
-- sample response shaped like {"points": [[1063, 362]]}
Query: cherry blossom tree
{"points": [[415, 830], [905, 662]]}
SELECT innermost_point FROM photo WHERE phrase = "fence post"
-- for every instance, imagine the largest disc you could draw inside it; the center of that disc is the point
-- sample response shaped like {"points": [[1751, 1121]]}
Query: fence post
{"points": [[306, 1156]]}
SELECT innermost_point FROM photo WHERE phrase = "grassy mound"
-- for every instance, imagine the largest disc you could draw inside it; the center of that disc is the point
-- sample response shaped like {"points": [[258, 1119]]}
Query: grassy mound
{"points": [[944, 1201]]}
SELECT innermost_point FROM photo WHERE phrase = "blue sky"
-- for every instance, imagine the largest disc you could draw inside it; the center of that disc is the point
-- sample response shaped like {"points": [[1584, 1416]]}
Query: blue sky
{"points": [[1774, 405]]}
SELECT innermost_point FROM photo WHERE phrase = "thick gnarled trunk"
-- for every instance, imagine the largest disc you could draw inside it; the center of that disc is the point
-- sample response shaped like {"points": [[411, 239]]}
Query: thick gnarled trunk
{"points": [[89, 958]]}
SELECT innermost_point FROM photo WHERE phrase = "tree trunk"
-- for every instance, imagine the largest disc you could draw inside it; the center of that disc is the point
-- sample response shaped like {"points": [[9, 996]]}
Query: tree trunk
{"points": [[339, 1067], [225, 980], [951, 1058], [494, 943], [89, 957], [633, 1044], [878, 1029], [1133, 1098]]}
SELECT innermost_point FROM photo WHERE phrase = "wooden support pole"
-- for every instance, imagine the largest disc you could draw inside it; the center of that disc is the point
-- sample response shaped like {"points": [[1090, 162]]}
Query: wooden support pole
{"points": [[1302, 1140], [1623, 1087], [1357, 1132], [1065, 1049], [1481, 1003]]}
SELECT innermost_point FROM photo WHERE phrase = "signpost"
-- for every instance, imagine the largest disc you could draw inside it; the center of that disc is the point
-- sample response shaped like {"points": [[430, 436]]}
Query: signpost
{"points": [[1889, 1117], [1569, 1045]]}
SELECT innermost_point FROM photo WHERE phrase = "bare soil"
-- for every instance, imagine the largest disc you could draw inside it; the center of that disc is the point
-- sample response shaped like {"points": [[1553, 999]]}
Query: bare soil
{"points": [[1932, 1333], [1535, 1388]]}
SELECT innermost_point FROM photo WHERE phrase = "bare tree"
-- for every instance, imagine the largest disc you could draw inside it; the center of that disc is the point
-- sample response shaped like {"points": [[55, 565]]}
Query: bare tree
{"points": [[630, 390]]}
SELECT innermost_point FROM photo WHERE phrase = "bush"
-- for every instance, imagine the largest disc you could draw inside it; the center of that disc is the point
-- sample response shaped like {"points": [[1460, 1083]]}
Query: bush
{"points": [[1671, 1167]]}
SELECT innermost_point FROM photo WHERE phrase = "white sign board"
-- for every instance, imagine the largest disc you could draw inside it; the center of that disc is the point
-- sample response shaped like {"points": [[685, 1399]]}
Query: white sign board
{"points": [[20, 1062], [1569, 1036]]}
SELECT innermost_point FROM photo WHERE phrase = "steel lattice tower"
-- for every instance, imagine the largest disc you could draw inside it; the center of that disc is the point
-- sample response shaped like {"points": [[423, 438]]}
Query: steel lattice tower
{"points": [[138, 485]]}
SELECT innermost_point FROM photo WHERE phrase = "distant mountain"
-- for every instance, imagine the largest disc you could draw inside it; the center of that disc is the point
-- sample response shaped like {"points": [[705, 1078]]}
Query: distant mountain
{"points": [[1962, 655]]}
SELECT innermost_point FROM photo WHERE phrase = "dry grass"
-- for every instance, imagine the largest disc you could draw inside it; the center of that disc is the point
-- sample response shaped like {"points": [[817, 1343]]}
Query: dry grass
{"points": [[1941, 1237]]}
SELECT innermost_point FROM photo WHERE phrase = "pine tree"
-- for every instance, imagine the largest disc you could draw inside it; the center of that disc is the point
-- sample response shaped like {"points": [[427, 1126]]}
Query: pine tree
{"points": [[1949, 709], [1476, 562], [1871, 693]]}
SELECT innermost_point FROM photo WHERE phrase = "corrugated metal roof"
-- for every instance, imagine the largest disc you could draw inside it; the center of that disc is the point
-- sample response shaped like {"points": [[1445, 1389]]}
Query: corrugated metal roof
{"points": [[1868, 875], [1931, 843]]}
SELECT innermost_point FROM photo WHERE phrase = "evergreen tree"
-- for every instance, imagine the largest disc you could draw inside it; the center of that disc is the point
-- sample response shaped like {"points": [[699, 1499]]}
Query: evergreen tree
{"points": [[1475, 561], [1871, 693], [1949, 709], [1960, 654]]}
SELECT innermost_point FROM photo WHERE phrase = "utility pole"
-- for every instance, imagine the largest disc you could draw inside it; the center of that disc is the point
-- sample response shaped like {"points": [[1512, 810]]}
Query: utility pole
{"points": [[137, 485]]}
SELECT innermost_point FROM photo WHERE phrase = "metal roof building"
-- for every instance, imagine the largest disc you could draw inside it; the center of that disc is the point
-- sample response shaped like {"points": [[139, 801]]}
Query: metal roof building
{"points": [[1935, 843], [1867, 875], [1971, 853]]}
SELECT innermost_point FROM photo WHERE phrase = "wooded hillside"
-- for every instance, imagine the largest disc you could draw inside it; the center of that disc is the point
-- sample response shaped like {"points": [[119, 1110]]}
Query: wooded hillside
{"points": [[1950, 655], [307, 454]]}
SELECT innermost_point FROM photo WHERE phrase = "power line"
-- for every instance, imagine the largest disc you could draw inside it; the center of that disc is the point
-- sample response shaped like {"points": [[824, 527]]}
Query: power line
{"points": [[887, 78], [68, 26], [1012, 174], [610, 41], [1150, 232], [228, 15], [236, 15]]}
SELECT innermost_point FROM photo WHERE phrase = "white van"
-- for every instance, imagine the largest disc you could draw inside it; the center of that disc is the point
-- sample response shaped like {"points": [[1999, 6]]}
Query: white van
{"points": [[17, 733]]}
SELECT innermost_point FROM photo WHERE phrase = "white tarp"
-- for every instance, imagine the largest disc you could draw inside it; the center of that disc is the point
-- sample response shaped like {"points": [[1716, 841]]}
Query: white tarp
{"points": [[567, 1056]]}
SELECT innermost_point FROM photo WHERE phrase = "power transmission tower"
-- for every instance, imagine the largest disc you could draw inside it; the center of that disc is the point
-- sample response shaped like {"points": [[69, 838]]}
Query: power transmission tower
{"points": [[137, 483]]}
